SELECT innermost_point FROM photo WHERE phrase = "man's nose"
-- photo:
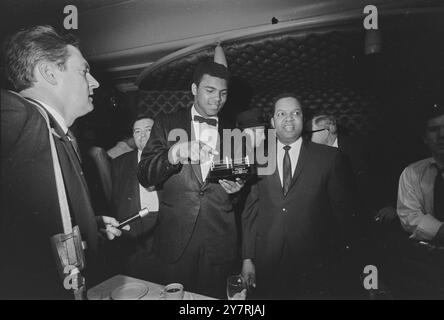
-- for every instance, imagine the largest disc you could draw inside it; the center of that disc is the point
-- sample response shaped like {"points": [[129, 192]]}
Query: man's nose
{"points": [[93, 83], [217, 97]]}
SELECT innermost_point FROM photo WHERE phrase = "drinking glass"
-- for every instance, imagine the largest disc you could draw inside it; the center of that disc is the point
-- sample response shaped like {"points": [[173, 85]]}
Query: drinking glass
{"points": [[236, 288]]}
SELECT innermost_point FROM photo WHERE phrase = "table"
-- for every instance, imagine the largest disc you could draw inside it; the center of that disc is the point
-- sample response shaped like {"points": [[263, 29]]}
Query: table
{"points": [[103, 290]]}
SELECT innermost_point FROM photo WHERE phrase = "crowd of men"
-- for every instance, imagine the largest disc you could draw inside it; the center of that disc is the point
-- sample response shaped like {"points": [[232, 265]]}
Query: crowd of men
{"points": [[290, 232]]}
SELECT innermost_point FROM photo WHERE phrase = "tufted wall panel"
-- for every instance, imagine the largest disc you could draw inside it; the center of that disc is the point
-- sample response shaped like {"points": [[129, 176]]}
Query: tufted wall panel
{"points": [[154, 102], [313, 66], [353, 111]]}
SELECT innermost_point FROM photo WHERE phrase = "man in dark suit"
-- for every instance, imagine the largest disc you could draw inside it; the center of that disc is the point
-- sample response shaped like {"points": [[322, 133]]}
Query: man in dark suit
{"points": [[196, 234], [295, 219], [376, 216], [324, 130], [129, 197], [48, 71]]}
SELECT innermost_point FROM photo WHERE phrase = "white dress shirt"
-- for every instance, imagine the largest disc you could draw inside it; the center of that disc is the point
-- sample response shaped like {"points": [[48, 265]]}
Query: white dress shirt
{"points": [[294, 156], [148, 199], [56, 115], [206, 134], [415, 200]]}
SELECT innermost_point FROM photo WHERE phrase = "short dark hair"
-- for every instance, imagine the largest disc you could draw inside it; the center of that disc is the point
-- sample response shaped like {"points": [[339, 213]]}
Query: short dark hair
{"points": [[142, 116], [282, 96], [25, 48], [210, 68]]}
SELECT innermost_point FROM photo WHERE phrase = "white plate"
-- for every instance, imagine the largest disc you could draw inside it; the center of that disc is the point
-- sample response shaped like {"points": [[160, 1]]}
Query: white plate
{"points": [[129, 291], [186, 296]]}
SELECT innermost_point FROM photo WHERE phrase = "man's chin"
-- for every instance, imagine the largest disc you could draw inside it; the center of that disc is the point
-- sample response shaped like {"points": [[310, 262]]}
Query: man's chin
{"points": [[87, 109]]}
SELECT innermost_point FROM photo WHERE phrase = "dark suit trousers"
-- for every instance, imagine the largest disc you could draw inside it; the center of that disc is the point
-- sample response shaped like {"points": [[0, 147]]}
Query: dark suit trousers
{"points": [[293, 277], [195, 270]]}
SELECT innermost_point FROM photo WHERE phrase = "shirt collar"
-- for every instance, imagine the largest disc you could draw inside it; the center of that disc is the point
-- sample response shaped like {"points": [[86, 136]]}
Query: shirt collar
{"points": [[434, 164], [295, 145], [56, 115]]}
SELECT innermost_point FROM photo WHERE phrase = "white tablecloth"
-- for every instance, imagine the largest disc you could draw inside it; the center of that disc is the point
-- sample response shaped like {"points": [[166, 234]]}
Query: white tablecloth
{"points": [[103, 291]]}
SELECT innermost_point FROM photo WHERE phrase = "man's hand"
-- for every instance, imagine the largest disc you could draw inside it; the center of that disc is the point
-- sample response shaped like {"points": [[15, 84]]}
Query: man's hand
{"points": [[194, 150], [231, 186], [439, 238], [386, 215], [249, 273], [110, 225]]}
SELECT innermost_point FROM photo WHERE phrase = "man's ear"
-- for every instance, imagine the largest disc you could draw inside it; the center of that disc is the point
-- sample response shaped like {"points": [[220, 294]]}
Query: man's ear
{"points": [[194, 89], [272, 123], [46, 70]]}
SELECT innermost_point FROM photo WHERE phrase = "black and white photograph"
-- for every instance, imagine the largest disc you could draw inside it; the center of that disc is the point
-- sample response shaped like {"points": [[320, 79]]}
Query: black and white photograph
{"points": [[222, 150]]}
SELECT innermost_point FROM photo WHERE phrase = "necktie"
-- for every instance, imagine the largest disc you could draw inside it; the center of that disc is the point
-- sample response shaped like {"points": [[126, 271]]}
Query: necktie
{"points": [[438, 196], [210, 121], [286, 172], [73, 141]]}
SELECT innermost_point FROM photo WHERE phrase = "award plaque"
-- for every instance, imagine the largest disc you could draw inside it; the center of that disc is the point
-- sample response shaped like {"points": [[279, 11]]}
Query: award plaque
{"points": [[230, 170]]}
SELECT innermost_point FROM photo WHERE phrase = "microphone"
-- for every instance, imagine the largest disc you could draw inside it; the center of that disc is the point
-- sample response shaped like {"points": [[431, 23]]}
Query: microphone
{"points": [[139, 215]]}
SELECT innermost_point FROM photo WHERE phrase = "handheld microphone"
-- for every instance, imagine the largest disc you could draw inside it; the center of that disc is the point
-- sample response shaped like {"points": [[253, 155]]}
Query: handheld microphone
{"points": [[139, 215]]}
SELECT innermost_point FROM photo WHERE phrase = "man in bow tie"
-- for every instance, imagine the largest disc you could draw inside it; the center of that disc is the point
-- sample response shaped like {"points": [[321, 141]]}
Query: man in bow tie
{"points": [[51, 79], [196, 234]]}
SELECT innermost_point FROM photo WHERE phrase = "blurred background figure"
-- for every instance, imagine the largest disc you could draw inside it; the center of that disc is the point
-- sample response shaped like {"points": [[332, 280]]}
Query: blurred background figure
{"points": [[253, 123], [419, 252], [129, 197], [126, 145]]}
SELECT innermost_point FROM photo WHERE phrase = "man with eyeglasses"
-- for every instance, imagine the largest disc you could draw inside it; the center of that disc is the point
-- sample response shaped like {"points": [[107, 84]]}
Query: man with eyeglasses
{"points": [[129, 197], [296, 219]]}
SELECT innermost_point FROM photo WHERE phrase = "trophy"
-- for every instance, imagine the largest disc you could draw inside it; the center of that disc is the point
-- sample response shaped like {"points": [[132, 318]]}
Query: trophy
{"points": [[230, 169]]}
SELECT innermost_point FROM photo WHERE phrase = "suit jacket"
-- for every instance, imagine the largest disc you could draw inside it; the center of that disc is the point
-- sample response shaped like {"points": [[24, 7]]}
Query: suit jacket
{"points": [[354, 149], [30, 212], [370, 191], [185, 197], [312, 219], [126, 201]]}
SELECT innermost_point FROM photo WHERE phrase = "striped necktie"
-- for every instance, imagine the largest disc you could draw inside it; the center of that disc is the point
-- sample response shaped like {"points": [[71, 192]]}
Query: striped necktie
{"points": [[286, 171]]}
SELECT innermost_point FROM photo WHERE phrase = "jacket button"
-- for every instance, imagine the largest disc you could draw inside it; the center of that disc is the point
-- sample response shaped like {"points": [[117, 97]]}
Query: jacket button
{"points": [[284, 210], [201, 193]]}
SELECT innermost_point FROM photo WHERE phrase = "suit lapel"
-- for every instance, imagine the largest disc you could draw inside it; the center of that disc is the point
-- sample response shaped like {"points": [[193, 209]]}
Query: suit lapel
{"points": [[219, 148], [190, 131], [72, 171], [135, 181], [69, 150]]}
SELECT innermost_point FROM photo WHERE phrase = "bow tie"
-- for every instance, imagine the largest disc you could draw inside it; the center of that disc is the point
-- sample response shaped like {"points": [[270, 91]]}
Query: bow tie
{"points": [[211, 122]]}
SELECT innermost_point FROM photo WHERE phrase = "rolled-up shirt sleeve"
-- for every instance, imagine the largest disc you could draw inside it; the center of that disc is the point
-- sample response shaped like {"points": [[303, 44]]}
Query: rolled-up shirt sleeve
{"points": [[411, 211]]}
